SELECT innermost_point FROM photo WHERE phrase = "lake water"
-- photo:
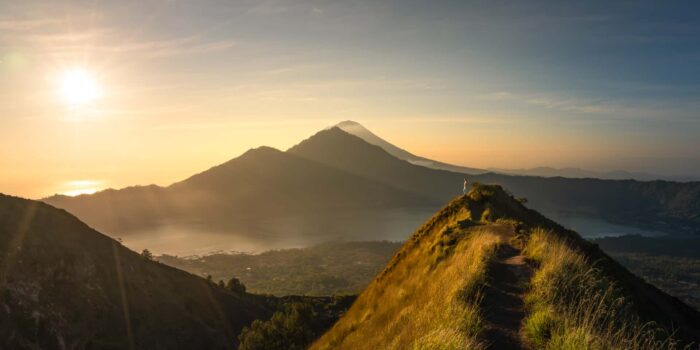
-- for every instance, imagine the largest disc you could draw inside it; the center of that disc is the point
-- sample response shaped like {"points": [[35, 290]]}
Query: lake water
{"points": [[279, 233], [394, 225], [591, 227]]}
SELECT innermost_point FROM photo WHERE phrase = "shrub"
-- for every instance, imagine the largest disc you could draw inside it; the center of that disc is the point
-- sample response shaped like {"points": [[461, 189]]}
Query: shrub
{"points": [[589, 310], [288, 330], [486, 215], [146, 254], [539, 326], [235, 285]]}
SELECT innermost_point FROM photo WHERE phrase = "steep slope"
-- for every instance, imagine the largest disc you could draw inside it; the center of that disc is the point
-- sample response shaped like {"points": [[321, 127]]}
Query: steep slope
{"points": [[263, 194], [349, 153], [463, 280], [64, 285], [360, 131], [662, 205]]}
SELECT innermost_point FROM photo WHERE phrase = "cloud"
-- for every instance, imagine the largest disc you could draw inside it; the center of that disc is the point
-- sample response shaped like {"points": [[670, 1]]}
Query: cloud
{"points": [[610, 109], [104, 40], [17, 25]]}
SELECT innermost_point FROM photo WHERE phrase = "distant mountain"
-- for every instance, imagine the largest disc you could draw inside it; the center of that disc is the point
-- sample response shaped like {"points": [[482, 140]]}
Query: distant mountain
{"points": [[360, 131], [346, 152], [264, 195], [583, 173], [64, 285], [335, 185], [662, 205], [487, 272]]}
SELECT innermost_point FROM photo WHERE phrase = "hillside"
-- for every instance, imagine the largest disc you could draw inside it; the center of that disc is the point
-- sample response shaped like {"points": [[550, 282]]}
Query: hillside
{"points": [[661, 205], [65, 285], [670, 263], [486, 272], [264, 195]]}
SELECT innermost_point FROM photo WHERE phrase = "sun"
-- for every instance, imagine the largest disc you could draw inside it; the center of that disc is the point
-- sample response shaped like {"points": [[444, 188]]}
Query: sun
{"points": [[78, 87]]}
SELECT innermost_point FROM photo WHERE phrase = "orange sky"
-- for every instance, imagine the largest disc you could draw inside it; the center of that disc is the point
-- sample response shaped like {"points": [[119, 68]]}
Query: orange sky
{"points": [[184, 88]]}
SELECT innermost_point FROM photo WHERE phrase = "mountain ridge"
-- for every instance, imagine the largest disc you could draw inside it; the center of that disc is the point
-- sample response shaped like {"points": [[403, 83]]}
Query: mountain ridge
{"points": [[438, 289]]}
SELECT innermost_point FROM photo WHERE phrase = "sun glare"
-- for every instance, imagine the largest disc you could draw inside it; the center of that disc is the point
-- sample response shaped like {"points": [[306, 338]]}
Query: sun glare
{"points": [[78, 187], [78, 87]]}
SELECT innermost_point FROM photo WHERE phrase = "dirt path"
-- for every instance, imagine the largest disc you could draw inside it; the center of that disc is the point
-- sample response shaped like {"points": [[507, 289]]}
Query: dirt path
{"points": [[503, 300]]}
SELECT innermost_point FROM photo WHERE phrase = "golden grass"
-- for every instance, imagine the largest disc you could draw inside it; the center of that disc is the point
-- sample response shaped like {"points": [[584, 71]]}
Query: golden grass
{"points": [[573, 305], [419, 303]]}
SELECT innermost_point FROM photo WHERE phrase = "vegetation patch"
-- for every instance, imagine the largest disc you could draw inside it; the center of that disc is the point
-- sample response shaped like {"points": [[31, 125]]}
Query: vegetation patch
{"points": [[573, 305], [423, 304]]}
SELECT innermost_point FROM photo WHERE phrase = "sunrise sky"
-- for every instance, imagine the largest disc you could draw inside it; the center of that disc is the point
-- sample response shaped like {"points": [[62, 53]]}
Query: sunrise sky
{"points": [[97, 94]]}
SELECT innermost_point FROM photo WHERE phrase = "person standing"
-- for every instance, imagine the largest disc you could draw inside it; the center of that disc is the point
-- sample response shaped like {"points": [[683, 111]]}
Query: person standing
{"points": [[464, 189]]}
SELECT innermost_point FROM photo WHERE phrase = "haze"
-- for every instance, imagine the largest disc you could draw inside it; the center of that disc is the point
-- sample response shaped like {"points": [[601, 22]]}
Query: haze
{"points": [[186, 85]]}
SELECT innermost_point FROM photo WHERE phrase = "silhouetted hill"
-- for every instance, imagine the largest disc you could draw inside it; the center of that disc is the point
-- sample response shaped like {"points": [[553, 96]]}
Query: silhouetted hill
{"points": [[663, 205], [487, 272], [264, 195], [64, 285], [341, 150]]}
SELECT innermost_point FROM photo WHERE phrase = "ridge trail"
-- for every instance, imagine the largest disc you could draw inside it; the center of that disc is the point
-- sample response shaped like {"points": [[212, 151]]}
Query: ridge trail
{"points": [[503, 304]]}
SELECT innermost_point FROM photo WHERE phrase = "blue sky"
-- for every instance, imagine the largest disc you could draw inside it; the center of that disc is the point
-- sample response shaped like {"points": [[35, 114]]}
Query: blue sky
{"points": [[509, 84]]}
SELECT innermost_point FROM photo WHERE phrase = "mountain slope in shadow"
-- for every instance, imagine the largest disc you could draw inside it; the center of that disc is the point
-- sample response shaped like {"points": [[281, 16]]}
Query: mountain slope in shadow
{"points": [[64, 285], [264, 194]]}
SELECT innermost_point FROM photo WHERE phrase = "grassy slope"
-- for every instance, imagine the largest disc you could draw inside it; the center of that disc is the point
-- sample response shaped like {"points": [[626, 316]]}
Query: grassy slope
{"points": [[410, 303], [427, 295]]}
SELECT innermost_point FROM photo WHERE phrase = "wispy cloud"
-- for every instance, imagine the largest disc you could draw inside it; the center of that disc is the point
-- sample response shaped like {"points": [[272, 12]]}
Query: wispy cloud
{"points": [[18, 25], [610, 109], [86, 33]]}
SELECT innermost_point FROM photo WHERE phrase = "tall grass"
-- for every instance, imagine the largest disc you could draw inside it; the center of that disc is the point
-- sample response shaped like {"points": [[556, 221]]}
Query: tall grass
{"points": [[573, 305], [428, 300]]}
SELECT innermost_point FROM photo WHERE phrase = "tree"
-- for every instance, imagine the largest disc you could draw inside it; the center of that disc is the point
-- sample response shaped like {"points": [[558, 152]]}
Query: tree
{"points": [[288, 330], [235, 285], [146, 254]]}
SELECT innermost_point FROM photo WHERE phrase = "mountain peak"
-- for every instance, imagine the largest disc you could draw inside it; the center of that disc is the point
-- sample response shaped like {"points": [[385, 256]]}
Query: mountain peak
{"points": [[357, 129], [262, 150], [348, 123]]}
